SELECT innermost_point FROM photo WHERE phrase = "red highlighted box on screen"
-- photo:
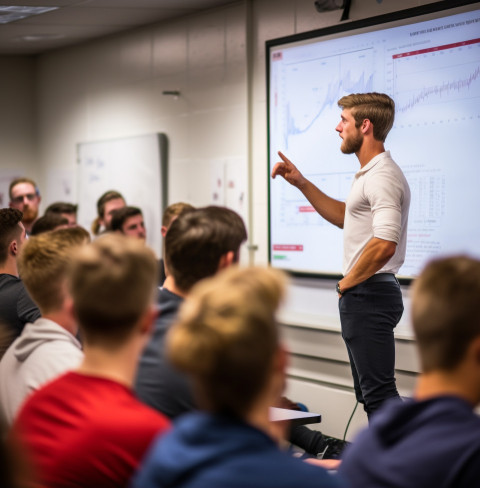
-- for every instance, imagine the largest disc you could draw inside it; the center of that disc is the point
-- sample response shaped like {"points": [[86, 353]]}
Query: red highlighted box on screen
{"points": [[306, 209], [288, 247]]}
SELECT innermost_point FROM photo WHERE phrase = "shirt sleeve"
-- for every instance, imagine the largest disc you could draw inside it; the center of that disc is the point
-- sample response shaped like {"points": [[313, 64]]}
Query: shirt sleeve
{"points": [[27, 310], [385, 193]]}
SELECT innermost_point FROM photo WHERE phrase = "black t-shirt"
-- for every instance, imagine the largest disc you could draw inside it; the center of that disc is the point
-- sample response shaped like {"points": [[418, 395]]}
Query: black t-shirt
{"points": [[16, 307]]}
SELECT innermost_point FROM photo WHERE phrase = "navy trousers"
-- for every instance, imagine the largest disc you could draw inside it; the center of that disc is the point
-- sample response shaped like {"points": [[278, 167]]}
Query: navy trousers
{"points": [[368, 314]]}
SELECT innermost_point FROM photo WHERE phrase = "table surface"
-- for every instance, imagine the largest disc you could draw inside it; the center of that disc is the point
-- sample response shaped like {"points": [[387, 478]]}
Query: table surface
{"points": [[296, 417]]}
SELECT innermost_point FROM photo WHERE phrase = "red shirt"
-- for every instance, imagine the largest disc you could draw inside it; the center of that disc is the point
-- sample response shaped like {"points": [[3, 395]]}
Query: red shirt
{"points": [[86, 431]]}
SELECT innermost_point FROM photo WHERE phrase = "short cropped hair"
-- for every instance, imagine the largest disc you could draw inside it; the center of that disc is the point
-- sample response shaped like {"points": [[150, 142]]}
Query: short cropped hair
{"points": [[379, 108], [9, 229], [120, 215], [226, 337], [112, 283], [62, 208], [75, 235], [238, 232], [195, 243], [43, 265], [22, 179], [174, 210], [106, 197], [446, 311], [48, 222]]}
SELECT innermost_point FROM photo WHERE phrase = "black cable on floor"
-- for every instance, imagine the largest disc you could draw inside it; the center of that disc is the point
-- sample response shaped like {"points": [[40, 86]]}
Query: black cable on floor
{"points": [[349, 420]]}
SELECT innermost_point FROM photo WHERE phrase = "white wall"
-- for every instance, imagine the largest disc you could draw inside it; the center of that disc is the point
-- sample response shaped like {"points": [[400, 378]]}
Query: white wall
{"points": [[17, 123], [113, 88]]}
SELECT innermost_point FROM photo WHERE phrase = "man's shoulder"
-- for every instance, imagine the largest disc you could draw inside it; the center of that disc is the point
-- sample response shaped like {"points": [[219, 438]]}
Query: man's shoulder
{"points": [[167, 299], [384, 163], [10, 283], [415, 437], [168, 304]]}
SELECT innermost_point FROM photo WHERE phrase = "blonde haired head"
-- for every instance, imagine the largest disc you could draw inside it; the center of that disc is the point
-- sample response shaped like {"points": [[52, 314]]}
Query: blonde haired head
{"points": [[226, 337], [379, 108], [112, 283], [43, 265]]}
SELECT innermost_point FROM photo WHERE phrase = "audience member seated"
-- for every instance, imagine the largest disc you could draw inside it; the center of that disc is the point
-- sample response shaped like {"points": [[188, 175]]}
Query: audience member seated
{"points": [[111, 200], [25, 196], [433, 439], [129, 222], [64, 209], [197, 245], [48, 347], [14, 471], [172, 212], [227, 340], [86, 428], [16, 306], [47, 223]]}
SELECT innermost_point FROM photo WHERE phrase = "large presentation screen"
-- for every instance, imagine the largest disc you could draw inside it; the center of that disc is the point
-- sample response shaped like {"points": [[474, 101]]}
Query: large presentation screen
{"points": [[429, 63]]}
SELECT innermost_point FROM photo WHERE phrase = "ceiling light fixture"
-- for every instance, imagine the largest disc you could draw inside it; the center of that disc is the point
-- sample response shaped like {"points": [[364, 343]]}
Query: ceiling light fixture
{"points": [[12, 14]]}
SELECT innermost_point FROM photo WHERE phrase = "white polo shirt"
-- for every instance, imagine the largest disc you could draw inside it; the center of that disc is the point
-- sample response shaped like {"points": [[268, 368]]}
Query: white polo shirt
{"points": [[377, 206]]}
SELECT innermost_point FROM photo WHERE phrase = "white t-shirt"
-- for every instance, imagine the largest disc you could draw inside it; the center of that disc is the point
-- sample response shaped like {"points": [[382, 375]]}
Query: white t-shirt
{"points": [[377, 206]]}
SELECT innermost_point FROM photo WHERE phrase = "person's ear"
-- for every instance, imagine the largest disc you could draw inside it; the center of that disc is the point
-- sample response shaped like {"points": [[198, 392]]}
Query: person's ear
{"points": [[279, 371], [282, 359], [366, 126], [164, 229], [226, 260], [70, 307], [14, 247], [148, 319]]}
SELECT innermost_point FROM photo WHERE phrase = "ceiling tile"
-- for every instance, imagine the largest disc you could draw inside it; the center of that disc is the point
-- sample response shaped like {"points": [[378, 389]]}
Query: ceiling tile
{"points": [[77, 21]]}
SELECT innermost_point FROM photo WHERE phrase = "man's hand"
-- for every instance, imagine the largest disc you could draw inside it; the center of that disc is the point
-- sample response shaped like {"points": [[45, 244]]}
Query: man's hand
{"points": [[376, 254], [289, 171]]}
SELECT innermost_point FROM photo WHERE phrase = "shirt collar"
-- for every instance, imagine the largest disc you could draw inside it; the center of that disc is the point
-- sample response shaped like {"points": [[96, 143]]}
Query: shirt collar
{"points": [[372, 163]]}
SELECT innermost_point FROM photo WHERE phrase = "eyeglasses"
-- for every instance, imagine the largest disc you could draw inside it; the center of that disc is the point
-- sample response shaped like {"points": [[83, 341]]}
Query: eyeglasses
{"points": [[29, 196]]}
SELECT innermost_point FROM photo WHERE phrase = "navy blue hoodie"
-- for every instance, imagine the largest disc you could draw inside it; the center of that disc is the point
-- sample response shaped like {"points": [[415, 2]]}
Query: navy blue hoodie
{"points": [[427, 444], [208, 451], [158, 383]]}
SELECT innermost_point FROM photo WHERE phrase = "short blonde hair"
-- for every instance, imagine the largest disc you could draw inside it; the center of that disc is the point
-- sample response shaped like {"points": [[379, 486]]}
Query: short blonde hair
{"points": [[226, 337], [379, 108], [174, 210], [112, 282], [43, 265]]}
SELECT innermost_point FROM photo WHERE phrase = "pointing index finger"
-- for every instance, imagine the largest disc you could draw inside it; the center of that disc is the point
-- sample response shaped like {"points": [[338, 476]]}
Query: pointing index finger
{"points": [[284, 158]]}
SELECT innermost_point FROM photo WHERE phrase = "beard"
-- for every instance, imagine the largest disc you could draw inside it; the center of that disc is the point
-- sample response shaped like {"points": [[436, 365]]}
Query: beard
{"points": [[352, 144], [29, 214]]}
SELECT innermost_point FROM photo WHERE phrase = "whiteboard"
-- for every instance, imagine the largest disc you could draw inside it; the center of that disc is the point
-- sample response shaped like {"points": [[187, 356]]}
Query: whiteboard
{"points": [[134, 166]]}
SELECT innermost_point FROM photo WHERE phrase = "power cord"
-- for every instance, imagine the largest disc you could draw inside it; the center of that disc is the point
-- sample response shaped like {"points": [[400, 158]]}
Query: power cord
{"points": [[349, 420]]}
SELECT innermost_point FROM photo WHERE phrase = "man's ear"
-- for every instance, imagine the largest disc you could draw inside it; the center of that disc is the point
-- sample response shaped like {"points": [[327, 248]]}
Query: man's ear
{"points": [[226, 260], [279, 370], [163, 230], [367, 126], [282, 359], [70, 307], [146, 322], [14, 248]]}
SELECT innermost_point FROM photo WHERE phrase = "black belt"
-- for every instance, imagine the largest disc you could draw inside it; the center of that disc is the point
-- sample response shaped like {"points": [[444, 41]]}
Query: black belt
{"points": [[381, 277]]}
